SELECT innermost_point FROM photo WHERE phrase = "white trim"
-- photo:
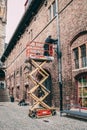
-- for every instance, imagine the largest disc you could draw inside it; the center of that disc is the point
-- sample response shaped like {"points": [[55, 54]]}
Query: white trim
{"points": [[80, 69]]}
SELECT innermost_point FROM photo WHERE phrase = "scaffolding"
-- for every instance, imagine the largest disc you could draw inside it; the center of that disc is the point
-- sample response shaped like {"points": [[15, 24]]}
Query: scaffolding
{"points": [[35, 56]]}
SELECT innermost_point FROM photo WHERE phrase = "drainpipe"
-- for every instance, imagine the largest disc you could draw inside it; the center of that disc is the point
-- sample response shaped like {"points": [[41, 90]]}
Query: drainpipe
{"points": [[59, 59]]}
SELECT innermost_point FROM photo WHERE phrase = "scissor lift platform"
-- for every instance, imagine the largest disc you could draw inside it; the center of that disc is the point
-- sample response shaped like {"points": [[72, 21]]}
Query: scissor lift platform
{"points": [[37, 60]]}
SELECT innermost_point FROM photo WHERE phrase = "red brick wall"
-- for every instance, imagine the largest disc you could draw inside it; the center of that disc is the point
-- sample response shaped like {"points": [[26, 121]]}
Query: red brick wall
{"points": [[72, 20]]}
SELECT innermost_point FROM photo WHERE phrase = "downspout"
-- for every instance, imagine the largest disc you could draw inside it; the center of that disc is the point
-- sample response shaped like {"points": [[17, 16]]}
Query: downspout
{"points": [[59, 58]]}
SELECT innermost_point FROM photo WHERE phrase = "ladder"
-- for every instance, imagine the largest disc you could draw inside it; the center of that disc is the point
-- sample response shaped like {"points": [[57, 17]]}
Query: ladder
{"points": [[39, 92]]}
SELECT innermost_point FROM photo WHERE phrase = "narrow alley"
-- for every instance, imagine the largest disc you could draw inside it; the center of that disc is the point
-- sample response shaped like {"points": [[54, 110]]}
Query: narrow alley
{"points": [[14, 117]]}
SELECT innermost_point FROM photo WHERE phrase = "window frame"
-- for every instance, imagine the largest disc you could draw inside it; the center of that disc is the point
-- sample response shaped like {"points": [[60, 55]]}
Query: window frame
{"points": [[83, 55], [76, 57], [54, 8]]}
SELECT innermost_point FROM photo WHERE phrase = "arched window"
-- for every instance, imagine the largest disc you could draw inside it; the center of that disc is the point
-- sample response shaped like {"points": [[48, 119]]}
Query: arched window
{"points": [[79, 50]]}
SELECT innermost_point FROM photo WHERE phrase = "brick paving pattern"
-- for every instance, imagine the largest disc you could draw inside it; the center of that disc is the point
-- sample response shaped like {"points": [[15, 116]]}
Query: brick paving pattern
{"points": [[14, 117]]}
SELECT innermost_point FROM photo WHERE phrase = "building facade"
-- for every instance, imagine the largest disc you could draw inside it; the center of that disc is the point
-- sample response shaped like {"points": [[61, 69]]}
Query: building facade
{"points": [[39, 21], [3, 21]]}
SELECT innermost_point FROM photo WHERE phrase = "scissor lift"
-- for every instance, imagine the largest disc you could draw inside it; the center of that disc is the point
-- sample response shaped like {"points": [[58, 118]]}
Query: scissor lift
{"points": [[38, 60]]}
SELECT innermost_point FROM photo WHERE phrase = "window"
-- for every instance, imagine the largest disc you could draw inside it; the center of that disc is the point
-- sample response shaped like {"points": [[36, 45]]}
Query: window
{"points": [[31, 34], [83, 56], [82, 91], [80, 56], [76, 58], [50, 17], [54, 8]]}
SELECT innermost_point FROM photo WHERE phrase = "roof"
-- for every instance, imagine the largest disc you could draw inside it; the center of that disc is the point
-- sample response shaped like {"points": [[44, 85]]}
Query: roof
{"points": [[24, 22]]}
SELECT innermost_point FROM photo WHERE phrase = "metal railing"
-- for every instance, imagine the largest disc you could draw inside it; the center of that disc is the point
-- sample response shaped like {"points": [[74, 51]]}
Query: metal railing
{"points": [[39, 49]]}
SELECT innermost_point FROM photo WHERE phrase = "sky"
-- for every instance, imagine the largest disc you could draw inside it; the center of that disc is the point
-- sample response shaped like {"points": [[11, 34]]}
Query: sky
{"points": [[15, 11]]}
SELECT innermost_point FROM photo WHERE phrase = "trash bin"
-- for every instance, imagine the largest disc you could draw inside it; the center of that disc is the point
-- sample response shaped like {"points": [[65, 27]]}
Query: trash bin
{"points": [[12, 99]]}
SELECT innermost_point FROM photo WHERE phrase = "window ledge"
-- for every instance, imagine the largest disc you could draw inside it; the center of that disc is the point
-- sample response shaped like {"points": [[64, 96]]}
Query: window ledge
{"points": [[80, 69]]}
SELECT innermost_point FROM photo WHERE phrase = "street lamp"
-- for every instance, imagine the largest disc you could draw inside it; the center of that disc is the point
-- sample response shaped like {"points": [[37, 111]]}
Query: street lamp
{"points": [[59, 54]]}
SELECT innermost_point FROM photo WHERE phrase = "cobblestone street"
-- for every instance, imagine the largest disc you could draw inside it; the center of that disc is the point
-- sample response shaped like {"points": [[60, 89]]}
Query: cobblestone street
{"points": [[14, 117]]}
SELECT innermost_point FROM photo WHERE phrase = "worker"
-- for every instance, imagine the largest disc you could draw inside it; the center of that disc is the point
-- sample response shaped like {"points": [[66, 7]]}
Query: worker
{"points": [[48, 41], [21, 102]]}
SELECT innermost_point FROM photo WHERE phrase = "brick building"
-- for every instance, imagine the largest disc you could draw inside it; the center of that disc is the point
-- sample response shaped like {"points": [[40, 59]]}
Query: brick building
{"points": [[39, 21], [3, 21]]}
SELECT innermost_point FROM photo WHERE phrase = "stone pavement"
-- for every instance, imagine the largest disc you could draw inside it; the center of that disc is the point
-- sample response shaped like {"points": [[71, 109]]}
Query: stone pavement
{"points": [[14, 117]]}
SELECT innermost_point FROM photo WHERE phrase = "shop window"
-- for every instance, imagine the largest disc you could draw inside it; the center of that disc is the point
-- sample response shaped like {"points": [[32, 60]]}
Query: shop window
{"points": [[76, 58], [82, 91], [83, 56]]}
